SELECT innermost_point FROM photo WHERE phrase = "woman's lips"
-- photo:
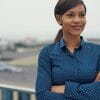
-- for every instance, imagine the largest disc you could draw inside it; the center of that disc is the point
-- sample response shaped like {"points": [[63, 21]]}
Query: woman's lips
{"points": [[77, 27]]}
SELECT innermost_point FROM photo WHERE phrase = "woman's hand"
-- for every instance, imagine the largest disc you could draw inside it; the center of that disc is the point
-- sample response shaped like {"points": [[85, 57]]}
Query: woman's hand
{"points": [[58, 89], [98, 77]]}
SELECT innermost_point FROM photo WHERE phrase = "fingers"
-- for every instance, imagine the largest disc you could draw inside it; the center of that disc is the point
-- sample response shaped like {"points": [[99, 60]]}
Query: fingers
{"points": [[58, 89], [98, 77]]}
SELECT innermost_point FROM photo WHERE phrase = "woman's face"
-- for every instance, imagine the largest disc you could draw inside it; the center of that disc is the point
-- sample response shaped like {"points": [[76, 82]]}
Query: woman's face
{"points": [[73, 21]]}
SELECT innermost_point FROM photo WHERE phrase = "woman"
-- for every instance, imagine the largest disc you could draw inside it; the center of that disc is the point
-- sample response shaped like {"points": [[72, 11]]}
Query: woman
{"points": [[69, 69]]}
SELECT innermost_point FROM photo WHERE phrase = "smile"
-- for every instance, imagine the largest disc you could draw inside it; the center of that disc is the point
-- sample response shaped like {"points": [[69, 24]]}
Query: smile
{"points": [[77, 27]]}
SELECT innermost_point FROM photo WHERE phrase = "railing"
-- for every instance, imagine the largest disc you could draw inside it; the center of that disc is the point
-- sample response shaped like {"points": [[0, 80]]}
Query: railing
{"points": [[9, 92]]}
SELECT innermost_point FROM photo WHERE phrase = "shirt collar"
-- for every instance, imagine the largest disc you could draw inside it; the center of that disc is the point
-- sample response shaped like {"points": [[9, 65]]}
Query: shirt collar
{"points": [[63, 45]]}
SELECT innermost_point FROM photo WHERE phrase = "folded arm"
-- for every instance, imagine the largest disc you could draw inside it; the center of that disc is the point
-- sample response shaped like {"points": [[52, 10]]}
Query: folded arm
{"points": [[80, 91], [44, 82]]}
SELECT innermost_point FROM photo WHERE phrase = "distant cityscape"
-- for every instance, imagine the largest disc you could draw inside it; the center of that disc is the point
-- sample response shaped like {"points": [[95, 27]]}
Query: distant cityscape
{"points": [[11, 45]]}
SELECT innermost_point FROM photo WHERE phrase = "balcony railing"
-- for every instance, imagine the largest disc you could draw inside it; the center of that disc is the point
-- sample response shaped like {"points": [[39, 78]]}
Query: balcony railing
{"points": [[9, 92]]}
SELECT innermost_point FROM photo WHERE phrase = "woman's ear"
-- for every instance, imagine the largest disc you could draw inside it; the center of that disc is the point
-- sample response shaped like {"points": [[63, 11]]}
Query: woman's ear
{"points": [[59, 19]]}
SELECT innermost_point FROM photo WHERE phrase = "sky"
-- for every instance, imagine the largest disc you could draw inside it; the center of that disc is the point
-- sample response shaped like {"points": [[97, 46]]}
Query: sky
{"points": [[35, 18]]}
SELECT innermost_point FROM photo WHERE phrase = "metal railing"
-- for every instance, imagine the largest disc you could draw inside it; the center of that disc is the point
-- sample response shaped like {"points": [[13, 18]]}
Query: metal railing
{"points": [[9, 92]]}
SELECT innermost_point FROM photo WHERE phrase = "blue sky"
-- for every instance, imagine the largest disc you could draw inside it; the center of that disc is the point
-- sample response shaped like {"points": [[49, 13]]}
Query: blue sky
{"points": [[26, 18]]}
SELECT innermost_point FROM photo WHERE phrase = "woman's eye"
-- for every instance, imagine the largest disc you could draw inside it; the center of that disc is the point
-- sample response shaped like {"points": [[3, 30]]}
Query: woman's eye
{"points": [[70, 15], [82, 14]]}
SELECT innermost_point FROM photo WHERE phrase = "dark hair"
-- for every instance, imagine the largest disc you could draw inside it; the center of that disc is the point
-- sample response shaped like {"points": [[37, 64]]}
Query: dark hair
{"points": [[61, 7], [59, 35]]}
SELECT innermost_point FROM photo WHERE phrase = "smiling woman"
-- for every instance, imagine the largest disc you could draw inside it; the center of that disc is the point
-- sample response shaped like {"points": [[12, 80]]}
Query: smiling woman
{"points": [[21, 18], [69, 68]]}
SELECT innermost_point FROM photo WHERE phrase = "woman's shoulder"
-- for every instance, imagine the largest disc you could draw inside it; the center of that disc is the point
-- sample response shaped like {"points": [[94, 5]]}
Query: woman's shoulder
{"points": [[48, 48]]}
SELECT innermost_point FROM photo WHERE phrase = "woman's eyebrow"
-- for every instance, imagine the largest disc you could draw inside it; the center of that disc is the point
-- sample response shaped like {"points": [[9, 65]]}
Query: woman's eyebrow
{"points": [[70, 11], [74, 11]]}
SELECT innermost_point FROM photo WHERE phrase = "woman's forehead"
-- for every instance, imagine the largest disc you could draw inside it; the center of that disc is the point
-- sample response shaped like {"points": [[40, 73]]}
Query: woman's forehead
{"points": [[78, 7]]}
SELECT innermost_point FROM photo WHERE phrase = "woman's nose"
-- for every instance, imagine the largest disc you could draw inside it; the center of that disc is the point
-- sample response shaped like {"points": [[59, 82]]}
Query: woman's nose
{"points": [[76, 19]]}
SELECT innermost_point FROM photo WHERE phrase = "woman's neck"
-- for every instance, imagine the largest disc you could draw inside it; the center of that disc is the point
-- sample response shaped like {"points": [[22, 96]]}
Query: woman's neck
{"points": [[71, 41]]}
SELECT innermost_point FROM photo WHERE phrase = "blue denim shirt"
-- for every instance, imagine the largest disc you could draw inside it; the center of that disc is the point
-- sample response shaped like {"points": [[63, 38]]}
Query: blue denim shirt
{"points": [[77, 71]]}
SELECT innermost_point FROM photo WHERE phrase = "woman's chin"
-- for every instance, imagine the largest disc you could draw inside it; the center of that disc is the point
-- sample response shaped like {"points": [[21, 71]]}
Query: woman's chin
{"points": [[76, 34]]}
